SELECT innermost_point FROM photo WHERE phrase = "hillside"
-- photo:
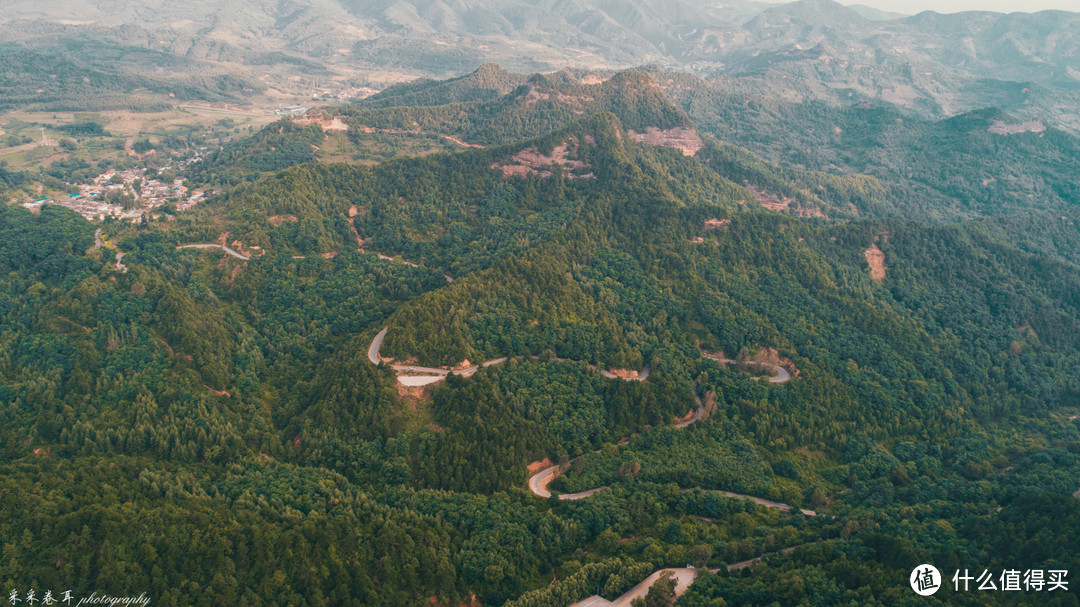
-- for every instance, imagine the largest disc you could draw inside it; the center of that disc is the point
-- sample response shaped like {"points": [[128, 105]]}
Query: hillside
{"points": [[459, 114], [845, 160], [336, 382]]}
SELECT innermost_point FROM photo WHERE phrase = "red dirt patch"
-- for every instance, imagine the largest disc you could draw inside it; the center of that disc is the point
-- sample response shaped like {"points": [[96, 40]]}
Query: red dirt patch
{"points": [[875, 258], [224, 393], [540, 465], [770, 201], [278, 220], [685, 418], [764, 356], [530, 161], [239, 246], [352, 224], [326, 123], [681, 138], [781, 203], [413, 395], [465, 144], [473, 602]]}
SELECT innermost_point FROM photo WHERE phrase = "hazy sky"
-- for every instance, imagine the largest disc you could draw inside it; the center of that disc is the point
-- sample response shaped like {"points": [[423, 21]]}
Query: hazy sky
{"points": [[911, 7]]}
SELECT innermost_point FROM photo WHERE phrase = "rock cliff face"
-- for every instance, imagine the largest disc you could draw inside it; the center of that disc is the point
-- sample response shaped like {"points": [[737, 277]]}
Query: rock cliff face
{"points": [[682, 138]]}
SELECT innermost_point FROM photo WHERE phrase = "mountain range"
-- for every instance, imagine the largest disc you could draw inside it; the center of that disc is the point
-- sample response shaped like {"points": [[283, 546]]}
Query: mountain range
{"points": [[930, 64]]}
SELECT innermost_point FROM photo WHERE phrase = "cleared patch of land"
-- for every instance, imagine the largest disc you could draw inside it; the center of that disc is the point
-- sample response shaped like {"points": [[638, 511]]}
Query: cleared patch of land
{"points": [[875, 258]]}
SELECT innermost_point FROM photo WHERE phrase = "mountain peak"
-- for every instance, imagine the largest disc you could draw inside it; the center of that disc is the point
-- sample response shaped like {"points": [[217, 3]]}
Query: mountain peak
{"points": [[826, 13]]}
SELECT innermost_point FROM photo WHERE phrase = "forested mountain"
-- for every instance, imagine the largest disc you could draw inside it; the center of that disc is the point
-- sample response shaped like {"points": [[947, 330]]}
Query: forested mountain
{"points": [[208, 426], [855, 159], [487, 107], [985, 161]]}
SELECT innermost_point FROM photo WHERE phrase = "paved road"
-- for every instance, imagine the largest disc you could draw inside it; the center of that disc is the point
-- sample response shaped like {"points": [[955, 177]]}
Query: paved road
{"points": [[684, 576], [373, 349], [757, 559], [781, 376], [769, 503], [376, 344], [419, 380], [215, 246], [539, 482]]}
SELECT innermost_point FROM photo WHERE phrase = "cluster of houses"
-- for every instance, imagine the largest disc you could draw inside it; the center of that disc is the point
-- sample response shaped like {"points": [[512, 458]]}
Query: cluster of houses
{"points": [[92, 199], [90, 209]]}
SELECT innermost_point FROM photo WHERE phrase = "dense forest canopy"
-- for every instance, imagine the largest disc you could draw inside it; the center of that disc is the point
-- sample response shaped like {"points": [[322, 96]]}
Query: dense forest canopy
{"points": [[208, 427]]}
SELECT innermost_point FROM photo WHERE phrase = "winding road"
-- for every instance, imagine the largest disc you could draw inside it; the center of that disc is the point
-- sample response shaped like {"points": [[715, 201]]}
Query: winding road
{"points": [[98, 243], [781, 376], [239, 255], [430, 375], [538, 483], [235, 254], [684, 577]]}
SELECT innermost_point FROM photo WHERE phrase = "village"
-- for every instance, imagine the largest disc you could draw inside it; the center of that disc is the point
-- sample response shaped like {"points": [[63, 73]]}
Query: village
{"points": [[97, 200]]}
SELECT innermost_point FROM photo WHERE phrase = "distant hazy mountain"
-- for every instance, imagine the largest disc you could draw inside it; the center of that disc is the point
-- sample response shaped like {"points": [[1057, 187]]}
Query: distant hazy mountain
{"points": [[928, 64], [875, 14]]}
